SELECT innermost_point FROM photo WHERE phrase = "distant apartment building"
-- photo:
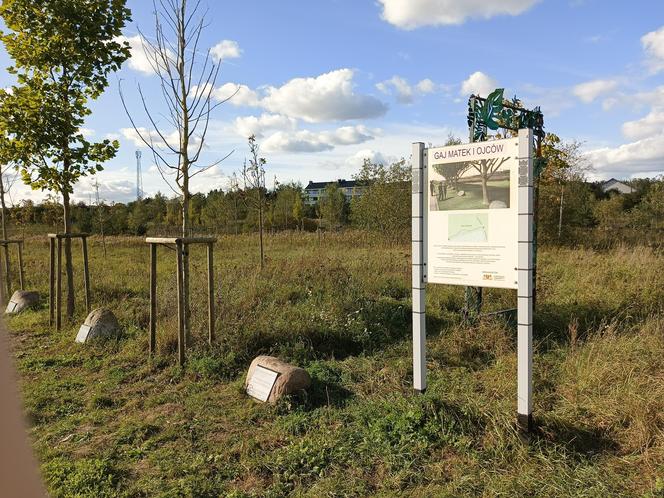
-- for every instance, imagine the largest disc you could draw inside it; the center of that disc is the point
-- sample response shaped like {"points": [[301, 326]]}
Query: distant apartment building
{"points": [[315, 190], [614, 185]]}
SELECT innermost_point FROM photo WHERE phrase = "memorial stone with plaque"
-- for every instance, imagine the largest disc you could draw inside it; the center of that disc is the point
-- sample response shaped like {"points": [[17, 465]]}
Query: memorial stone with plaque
{"points": [[22, 300], [269, 379]]}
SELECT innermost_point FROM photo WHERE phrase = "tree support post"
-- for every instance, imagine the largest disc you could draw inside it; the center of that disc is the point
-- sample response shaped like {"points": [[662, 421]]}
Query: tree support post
{"points": [[525, 275], [181, 250], [21, 275], [55, 274], [7, 270], [51, 282], [153, 298], [86, 274], [181, 303], [419, 269], [210, 269]]}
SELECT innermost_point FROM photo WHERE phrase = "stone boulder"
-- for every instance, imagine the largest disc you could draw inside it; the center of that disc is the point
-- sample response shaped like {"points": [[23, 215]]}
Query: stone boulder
{"points": [[461, 193], [100, 324], [262, 372], [22, 300], [497, 205]]}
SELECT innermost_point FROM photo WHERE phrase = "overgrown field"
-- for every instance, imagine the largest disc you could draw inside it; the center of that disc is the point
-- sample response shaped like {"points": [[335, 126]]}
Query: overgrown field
{"points": [[106, 421]]}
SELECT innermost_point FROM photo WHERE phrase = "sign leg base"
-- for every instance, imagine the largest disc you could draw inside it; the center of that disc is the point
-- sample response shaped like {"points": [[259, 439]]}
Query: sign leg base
{"points": [[524, 422], [420, 391]]}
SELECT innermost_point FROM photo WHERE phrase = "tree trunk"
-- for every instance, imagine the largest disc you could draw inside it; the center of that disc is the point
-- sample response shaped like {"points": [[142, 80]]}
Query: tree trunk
{"points": [[186, 232], [4, 235], [260, 224], [560, 214], [69, 267], [485, 189]]}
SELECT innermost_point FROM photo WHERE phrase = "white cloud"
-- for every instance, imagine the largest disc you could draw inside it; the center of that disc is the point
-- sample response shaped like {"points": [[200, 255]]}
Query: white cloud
{"points": [[410, 14], [374, 156], [239, 95], [404, 91], [226, 49], [142, 57], [86, 132], [246, 126], [135, 136], [328, 97], [636, 102], [653, 44], [640, 156], [478, 83], [111, 188], [401, 87], [172, 138], [650, 125], [308, 141], [426, 86], [590, 90]]}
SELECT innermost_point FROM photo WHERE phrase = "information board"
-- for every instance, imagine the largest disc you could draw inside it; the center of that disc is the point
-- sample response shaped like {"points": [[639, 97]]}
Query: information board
{"points": [[471, 214]]}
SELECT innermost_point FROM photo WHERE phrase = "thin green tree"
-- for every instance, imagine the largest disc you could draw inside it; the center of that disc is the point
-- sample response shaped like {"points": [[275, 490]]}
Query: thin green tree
{"points": [[63, 52]]}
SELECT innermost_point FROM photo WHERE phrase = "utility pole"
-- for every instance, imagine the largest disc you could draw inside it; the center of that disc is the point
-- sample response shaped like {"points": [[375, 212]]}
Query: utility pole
{"points": [[139, 177]]}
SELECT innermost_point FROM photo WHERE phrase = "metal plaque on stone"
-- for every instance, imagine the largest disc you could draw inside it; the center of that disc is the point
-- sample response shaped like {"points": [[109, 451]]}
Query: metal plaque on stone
{"points": [[261, 383], [83, 333]]}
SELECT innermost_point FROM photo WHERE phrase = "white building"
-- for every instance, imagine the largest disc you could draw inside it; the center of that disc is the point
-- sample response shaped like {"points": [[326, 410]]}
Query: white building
{"points": [[315, 190], [614, 185]]}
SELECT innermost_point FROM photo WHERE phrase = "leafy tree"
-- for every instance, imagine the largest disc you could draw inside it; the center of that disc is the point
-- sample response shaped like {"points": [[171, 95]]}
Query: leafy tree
{"points": [[650, 212], [254, 183], [63, 53], [285, 212], [298, 210], [332, 204], [385, 204], [25, 214], [215, 213], [562, 189]]}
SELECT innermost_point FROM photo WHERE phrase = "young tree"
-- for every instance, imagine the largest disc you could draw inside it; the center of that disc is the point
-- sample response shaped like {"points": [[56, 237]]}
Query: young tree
{"points": [[298, 209], [63, 53], [332, 205], [385, 204], [254, 186], [5, 185], [565, 164], [187, 79]]}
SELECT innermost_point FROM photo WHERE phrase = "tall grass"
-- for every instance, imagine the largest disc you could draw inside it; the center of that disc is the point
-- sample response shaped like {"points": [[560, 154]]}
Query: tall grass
{"points": [[106, 421]]}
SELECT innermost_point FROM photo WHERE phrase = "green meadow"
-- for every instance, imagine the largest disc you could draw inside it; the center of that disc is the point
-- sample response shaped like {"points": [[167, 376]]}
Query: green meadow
{"points": [[107, 421]]}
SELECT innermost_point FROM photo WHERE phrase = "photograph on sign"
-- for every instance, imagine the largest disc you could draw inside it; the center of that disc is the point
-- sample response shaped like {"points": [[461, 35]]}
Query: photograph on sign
{"points": [[465, 185], [261, 383], [472, 218]]}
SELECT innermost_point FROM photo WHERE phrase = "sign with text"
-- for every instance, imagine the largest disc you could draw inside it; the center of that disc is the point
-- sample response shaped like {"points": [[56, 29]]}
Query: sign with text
{"points": [[261, 383], [471, 214]]}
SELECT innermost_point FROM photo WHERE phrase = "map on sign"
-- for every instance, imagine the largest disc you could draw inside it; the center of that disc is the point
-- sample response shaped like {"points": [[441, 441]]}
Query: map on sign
{"points": [[468, 227], [261, 382]]}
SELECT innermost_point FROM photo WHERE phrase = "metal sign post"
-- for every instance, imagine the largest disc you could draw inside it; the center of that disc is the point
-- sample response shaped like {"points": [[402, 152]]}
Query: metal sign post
{"points": [[525, 279], [419, 269]]}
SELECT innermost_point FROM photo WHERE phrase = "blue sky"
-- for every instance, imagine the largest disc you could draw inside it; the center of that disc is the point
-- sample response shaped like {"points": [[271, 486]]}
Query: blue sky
{"points": [[326, 83]]}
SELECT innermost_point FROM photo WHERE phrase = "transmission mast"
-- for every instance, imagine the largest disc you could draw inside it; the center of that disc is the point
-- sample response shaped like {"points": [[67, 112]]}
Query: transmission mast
{"points": [[139, 177]]}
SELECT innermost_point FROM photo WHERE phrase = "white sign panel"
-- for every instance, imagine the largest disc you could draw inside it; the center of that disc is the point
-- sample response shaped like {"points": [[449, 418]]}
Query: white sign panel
{"points": [[472, 214], [261, 383]]}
